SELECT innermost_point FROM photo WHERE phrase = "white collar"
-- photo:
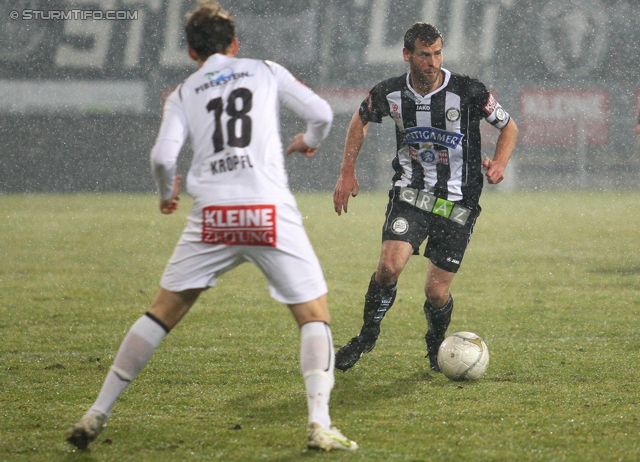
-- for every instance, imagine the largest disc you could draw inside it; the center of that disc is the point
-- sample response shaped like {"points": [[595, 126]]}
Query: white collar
{"points": [[445, 82]]}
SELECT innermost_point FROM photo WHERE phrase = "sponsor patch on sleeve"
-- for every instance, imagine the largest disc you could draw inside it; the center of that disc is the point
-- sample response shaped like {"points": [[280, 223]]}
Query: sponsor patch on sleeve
{"points": [[239, 225], [490, 106]]}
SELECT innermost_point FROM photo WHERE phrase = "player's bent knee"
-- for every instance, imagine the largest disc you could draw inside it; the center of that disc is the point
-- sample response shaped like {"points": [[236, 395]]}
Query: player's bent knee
{"points": [[170, 307], [385, 276], [438, 296], [311, 311]]}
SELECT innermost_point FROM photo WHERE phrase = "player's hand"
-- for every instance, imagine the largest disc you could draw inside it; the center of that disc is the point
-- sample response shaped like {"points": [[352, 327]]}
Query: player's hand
{"points": [[347, 185], [171, 205], [298, 145], [494, 171]]}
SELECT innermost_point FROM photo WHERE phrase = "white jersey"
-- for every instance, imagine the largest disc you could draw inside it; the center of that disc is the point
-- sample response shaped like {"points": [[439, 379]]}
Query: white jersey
{"points": [[229, 109], [243, 210]]}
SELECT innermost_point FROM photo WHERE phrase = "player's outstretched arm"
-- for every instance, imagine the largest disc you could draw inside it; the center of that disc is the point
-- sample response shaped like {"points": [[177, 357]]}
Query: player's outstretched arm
{"points": [[494, 169], [347, 182]]}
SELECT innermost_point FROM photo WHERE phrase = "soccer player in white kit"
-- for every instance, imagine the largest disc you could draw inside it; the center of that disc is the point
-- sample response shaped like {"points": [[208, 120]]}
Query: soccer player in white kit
{"points": [[243, 211]]}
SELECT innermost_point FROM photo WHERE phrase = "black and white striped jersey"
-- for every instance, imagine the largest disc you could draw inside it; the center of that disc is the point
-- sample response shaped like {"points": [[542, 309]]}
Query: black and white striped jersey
{"points": [[437, 135]]}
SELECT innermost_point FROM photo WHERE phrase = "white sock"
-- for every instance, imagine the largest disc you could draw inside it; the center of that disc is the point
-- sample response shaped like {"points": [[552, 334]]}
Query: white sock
{"points": [[317, 361], [134, 353]]}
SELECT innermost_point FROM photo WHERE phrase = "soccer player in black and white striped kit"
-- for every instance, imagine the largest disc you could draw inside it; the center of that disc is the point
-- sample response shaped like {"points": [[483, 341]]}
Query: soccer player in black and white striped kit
{"points": [[437, 182]]}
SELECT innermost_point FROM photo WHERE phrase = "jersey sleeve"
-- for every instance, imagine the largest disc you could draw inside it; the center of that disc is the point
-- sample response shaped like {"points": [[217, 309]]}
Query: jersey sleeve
{"points": [[305, 103], [171, 137], [488, 106], [375, 106]]}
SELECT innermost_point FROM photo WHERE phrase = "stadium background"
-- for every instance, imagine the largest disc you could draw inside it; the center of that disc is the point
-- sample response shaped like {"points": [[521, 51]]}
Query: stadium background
{"points": [[80, 100]]}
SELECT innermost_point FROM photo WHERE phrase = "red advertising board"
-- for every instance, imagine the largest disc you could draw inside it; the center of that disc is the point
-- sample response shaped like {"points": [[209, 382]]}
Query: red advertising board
{"points": [[556, 117]]}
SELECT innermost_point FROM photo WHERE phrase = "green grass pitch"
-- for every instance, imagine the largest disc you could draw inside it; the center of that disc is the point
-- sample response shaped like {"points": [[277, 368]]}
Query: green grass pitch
{"points": [[550, 281]]}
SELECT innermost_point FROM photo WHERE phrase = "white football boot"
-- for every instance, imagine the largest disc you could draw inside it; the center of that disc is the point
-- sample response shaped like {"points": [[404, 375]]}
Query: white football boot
{"points": [[319, 437], [86, 430]]}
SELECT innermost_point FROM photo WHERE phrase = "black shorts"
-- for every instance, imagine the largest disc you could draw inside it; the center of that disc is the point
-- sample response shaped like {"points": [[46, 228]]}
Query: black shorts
{"points": [[447, 240]]}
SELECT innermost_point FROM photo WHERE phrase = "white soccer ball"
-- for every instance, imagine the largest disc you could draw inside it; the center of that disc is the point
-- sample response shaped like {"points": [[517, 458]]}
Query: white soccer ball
{"points": [[463, 356]]}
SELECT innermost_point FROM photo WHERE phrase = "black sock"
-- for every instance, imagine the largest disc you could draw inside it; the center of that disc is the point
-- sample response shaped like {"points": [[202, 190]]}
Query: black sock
{"points": [[438, 320], [377, 301]]}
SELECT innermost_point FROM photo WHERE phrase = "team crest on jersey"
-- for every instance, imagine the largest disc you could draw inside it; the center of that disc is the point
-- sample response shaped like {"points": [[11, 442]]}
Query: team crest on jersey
{"points": [[428, 156], [452, 114]]}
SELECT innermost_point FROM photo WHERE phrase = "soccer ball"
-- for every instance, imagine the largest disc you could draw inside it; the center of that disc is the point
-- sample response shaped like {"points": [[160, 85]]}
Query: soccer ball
{"points": [[463, 356]]}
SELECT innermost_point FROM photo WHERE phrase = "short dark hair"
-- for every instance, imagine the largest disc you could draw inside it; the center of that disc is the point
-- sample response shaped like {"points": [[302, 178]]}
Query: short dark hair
{"points": [[209, 29], [423, 31]]}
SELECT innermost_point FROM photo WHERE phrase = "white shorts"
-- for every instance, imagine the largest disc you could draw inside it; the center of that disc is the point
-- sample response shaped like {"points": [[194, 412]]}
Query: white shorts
{"points": [[219, 238]]}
